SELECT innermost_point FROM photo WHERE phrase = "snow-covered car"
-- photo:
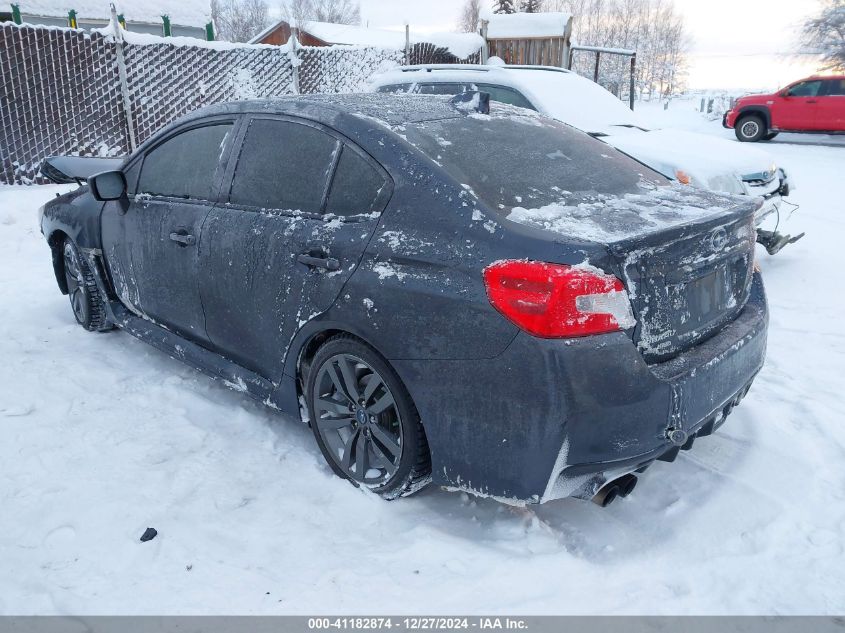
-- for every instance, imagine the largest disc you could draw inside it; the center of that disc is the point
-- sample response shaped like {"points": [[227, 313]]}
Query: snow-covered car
{"points": [[361, 254], [699, 160]]}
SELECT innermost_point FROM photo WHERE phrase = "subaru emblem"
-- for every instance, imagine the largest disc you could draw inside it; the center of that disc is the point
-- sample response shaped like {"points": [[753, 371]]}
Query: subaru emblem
{"points": [[718, 239]]}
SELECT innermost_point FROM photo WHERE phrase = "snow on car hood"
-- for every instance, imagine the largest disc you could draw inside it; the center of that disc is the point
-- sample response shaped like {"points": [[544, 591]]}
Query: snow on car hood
{"points": [[576, 101], [712, 163], [607, 219]]}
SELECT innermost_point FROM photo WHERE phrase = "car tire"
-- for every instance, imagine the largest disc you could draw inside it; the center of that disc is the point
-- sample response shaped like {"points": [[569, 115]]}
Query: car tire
{"points": [[364, 420], [770, 136], [750, 128], [87, 303]]}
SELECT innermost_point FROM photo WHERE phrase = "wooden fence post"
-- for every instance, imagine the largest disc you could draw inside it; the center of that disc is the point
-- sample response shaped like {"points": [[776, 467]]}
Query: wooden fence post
{"points": [[566, 52], [16, 14]]}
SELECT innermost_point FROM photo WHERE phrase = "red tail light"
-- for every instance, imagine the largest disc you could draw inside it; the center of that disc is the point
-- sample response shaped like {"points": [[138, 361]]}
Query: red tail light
{"points": [[557, 301]]}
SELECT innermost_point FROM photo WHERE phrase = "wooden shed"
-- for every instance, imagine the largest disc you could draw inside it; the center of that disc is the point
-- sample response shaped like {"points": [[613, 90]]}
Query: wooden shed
{"points": [[529, 38]]}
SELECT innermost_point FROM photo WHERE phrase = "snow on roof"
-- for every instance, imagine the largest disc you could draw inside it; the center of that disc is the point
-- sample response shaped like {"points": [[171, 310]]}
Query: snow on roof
{"points": [[523, 25], [461, 45], [555, 92], [181, 12]]}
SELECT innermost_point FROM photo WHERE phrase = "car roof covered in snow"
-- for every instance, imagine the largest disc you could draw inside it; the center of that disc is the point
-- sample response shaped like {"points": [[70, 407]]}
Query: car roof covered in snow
{"points": [[556, 92], [356, 115]]}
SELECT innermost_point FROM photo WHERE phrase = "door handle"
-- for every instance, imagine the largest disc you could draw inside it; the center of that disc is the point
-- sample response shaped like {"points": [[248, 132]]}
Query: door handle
{"points": [[811, 101], [328, 263], [185, 239]]}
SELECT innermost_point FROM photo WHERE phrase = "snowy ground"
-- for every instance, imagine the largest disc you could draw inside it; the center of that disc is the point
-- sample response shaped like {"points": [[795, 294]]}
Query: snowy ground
{"points": [[103, 436]]}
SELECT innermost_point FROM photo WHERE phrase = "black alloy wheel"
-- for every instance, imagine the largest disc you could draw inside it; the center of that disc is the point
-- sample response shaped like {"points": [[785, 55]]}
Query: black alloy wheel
{"points": [[76, 287], [364, 420], [357, 418], [87, 303]]}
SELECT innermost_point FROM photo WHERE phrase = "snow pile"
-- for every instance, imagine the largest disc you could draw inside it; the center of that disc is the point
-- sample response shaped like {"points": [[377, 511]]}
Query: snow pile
{"points": [[523, 25], [604, 218], [181, 12]]}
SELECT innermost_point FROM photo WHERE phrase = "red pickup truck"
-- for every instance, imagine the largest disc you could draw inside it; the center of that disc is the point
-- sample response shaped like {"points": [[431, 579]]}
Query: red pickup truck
{"points": [[813, 105]]}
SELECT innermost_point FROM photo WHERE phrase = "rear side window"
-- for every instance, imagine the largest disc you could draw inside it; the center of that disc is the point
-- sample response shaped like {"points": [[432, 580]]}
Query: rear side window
{"points": [[357, 186], [396, 89], [283, 165], [506, 95], [184, 165], [440, 89], [835, 88]]}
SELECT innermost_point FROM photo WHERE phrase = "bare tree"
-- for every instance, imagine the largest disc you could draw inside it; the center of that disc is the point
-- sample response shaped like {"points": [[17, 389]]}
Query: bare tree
{"points": [[825, 32], [239, 20], [654, 28], [468, 21], [531, 6], [503, 6], [297, 13]]}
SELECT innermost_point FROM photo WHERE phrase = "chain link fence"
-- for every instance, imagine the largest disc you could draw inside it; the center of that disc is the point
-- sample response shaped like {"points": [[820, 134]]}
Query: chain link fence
{"points": [[59, 94], [61, 91]]}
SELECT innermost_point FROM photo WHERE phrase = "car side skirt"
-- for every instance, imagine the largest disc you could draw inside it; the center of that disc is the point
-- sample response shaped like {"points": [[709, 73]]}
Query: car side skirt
{"points": [[210, 363]]}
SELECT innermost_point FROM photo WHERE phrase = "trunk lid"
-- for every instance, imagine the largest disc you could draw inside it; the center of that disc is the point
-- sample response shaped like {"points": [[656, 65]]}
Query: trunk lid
{"points": [[686, 282], [686, 257]]}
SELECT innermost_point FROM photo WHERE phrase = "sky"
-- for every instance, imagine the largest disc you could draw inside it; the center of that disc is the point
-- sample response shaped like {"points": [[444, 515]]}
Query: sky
{"points": [[736, 44]]}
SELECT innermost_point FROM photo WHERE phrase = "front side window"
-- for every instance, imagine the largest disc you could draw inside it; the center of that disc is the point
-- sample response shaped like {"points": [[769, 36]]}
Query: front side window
{"points": [[805, 89], [283, 165], [184, 165], [357, 186]]}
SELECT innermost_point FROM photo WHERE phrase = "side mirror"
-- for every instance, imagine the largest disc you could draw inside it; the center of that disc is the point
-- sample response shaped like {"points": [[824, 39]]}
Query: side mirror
{"points": [[109, 185]]}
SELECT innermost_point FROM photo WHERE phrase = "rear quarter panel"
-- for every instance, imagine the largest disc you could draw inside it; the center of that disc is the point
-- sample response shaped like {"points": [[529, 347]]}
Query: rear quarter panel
{"points": [[419, 291]]}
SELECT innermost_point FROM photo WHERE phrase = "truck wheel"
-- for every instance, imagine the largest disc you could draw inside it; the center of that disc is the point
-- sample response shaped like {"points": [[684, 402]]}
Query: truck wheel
{"points": [[750, 128], [365, 423], [85, 300]]}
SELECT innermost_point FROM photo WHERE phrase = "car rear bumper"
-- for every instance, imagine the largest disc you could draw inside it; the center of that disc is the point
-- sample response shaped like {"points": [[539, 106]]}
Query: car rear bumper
{"points": [[557, 418]]}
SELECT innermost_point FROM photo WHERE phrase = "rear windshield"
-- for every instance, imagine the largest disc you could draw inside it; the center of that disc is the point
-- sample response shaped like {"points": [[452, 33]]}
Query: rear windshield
{"points": [[517, 158]]}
